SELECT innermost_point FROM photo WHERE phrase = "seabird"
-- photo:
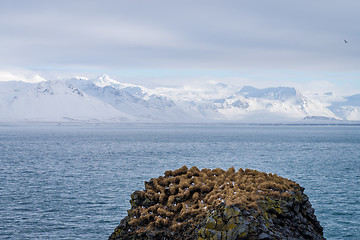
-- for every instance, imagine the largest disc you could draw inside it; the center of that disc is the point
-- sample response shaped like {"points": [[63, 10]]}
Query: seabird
{"points": [[345, 41]]}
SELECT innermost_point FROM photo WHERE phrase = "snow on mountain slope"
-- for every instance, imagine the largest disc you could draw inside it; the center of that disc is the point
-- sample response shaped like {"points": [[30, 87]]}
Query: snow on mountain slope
{"points": [[131, 99], [106, 100], [10, 92], [269, 104], [55, 101], [279, 93], [348, 109], [326, 98], [12, 89]]}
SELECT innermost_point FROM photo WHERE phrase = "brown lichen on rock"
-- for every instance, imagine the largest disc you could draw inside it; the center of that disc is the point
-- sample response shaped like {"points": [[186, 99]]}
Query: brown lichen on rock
{"points": [[218, 204]]}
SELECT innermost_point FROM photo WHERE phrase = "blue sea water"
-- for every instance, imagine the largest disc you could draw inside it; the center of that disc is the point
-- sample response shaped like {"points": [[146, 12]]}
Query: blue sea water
{"points": [[74, 182]]}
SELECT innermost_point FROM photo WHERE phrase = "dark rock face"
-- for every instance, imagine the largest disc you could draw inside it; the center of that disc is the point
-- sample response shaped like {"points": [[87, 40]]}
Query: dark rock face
{"points": [[274, 220], [218, 204]]}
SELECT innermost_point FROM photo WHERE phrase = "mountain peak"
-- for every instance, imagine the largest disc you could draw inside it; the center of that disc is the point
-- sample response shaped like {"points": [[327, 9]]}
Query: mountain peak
{"points": [[105, 80]]}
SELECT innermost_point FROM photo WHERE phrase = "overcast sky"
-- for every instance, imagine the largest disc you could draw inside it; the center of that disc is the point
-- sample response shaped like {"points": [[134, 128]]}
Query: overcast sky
{"points": [[159, 41]]}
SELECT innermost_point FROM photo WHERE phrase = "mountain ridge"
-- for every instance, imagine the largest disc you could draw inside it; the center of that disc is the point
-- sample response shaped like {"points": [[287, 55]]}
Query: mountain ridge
{"points": [[107, 100]]}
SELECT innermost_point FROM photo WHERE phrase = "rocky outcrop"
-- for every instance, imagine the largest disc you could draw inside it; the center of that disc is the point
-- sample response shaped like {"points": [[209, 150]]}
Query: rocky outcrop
{"points": [[217, 204]]}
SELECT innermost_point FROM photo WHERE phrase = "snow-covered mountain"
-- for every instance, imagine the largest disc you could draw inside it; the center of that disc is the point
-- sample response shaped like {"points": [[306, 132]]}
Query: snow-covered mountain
{"points": [[270, 104], [348, 109], [106, 100], [53, 101], [131, 99]]}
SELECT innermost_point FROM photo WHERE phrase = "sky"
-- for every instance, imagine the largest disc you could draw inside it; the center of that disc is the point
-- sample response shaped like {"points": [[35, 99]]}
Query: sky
{"points": [[168, 43]]}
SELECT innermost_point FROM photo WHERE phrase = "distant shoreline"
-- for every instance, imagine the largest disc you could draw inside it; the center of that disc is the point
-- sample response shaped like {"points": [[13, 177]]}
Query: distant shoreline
{"points": [[343, 123]]}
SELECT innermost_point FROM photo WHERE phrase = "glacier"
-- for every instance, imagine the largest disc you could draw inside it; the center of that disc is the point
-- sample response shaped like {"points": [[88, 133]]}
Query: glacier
{"points": [[103, 99]]}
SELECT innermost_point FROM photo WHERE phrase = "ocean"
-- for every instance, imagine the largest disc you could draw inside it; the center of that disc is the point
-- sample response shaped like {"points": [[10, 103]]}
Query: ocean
{"points": [[75, 181]]}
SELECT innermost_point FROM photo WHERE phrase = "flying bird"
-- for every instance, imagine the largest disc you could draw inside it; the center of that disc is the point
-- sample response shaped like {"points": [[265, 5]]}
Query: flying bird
{"points": [[345, 41]]}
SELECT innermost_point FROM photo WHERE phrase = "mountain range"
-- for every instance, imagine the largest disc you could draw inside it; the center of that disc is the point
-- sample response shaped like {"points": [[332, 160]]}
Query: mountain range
{"points": [[104, 99]]}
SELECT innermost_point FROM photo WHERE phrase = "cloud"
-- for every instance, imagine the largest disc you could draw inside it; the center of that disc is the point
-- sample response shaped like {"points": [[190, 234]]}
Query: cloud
{"points": [[187, 34], [164, 43], [25, 76]]}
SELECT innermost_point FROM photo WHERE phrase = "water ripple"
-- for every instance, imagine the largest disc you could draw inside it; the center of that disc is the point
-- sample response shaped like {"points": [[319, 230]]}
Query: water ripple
{"points": [[71, 182]]}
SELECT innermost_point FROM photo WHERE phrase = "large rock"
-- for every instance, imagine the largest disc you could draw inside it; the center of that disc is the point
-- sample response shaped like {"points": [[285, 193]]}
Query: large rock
{"points": [[217, 204]]}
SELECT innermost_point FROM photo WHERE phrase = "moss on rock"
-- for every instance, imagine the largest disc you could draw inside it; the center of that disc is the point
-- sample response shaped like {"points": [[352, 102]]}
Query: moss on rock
{"points": [[218, 204]]}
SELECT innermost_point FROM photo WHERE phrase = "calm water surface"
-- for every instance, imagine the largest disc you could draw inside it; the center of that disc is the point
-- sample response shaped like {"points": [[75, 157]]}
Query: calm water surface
{"points": [[74, 182]]}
